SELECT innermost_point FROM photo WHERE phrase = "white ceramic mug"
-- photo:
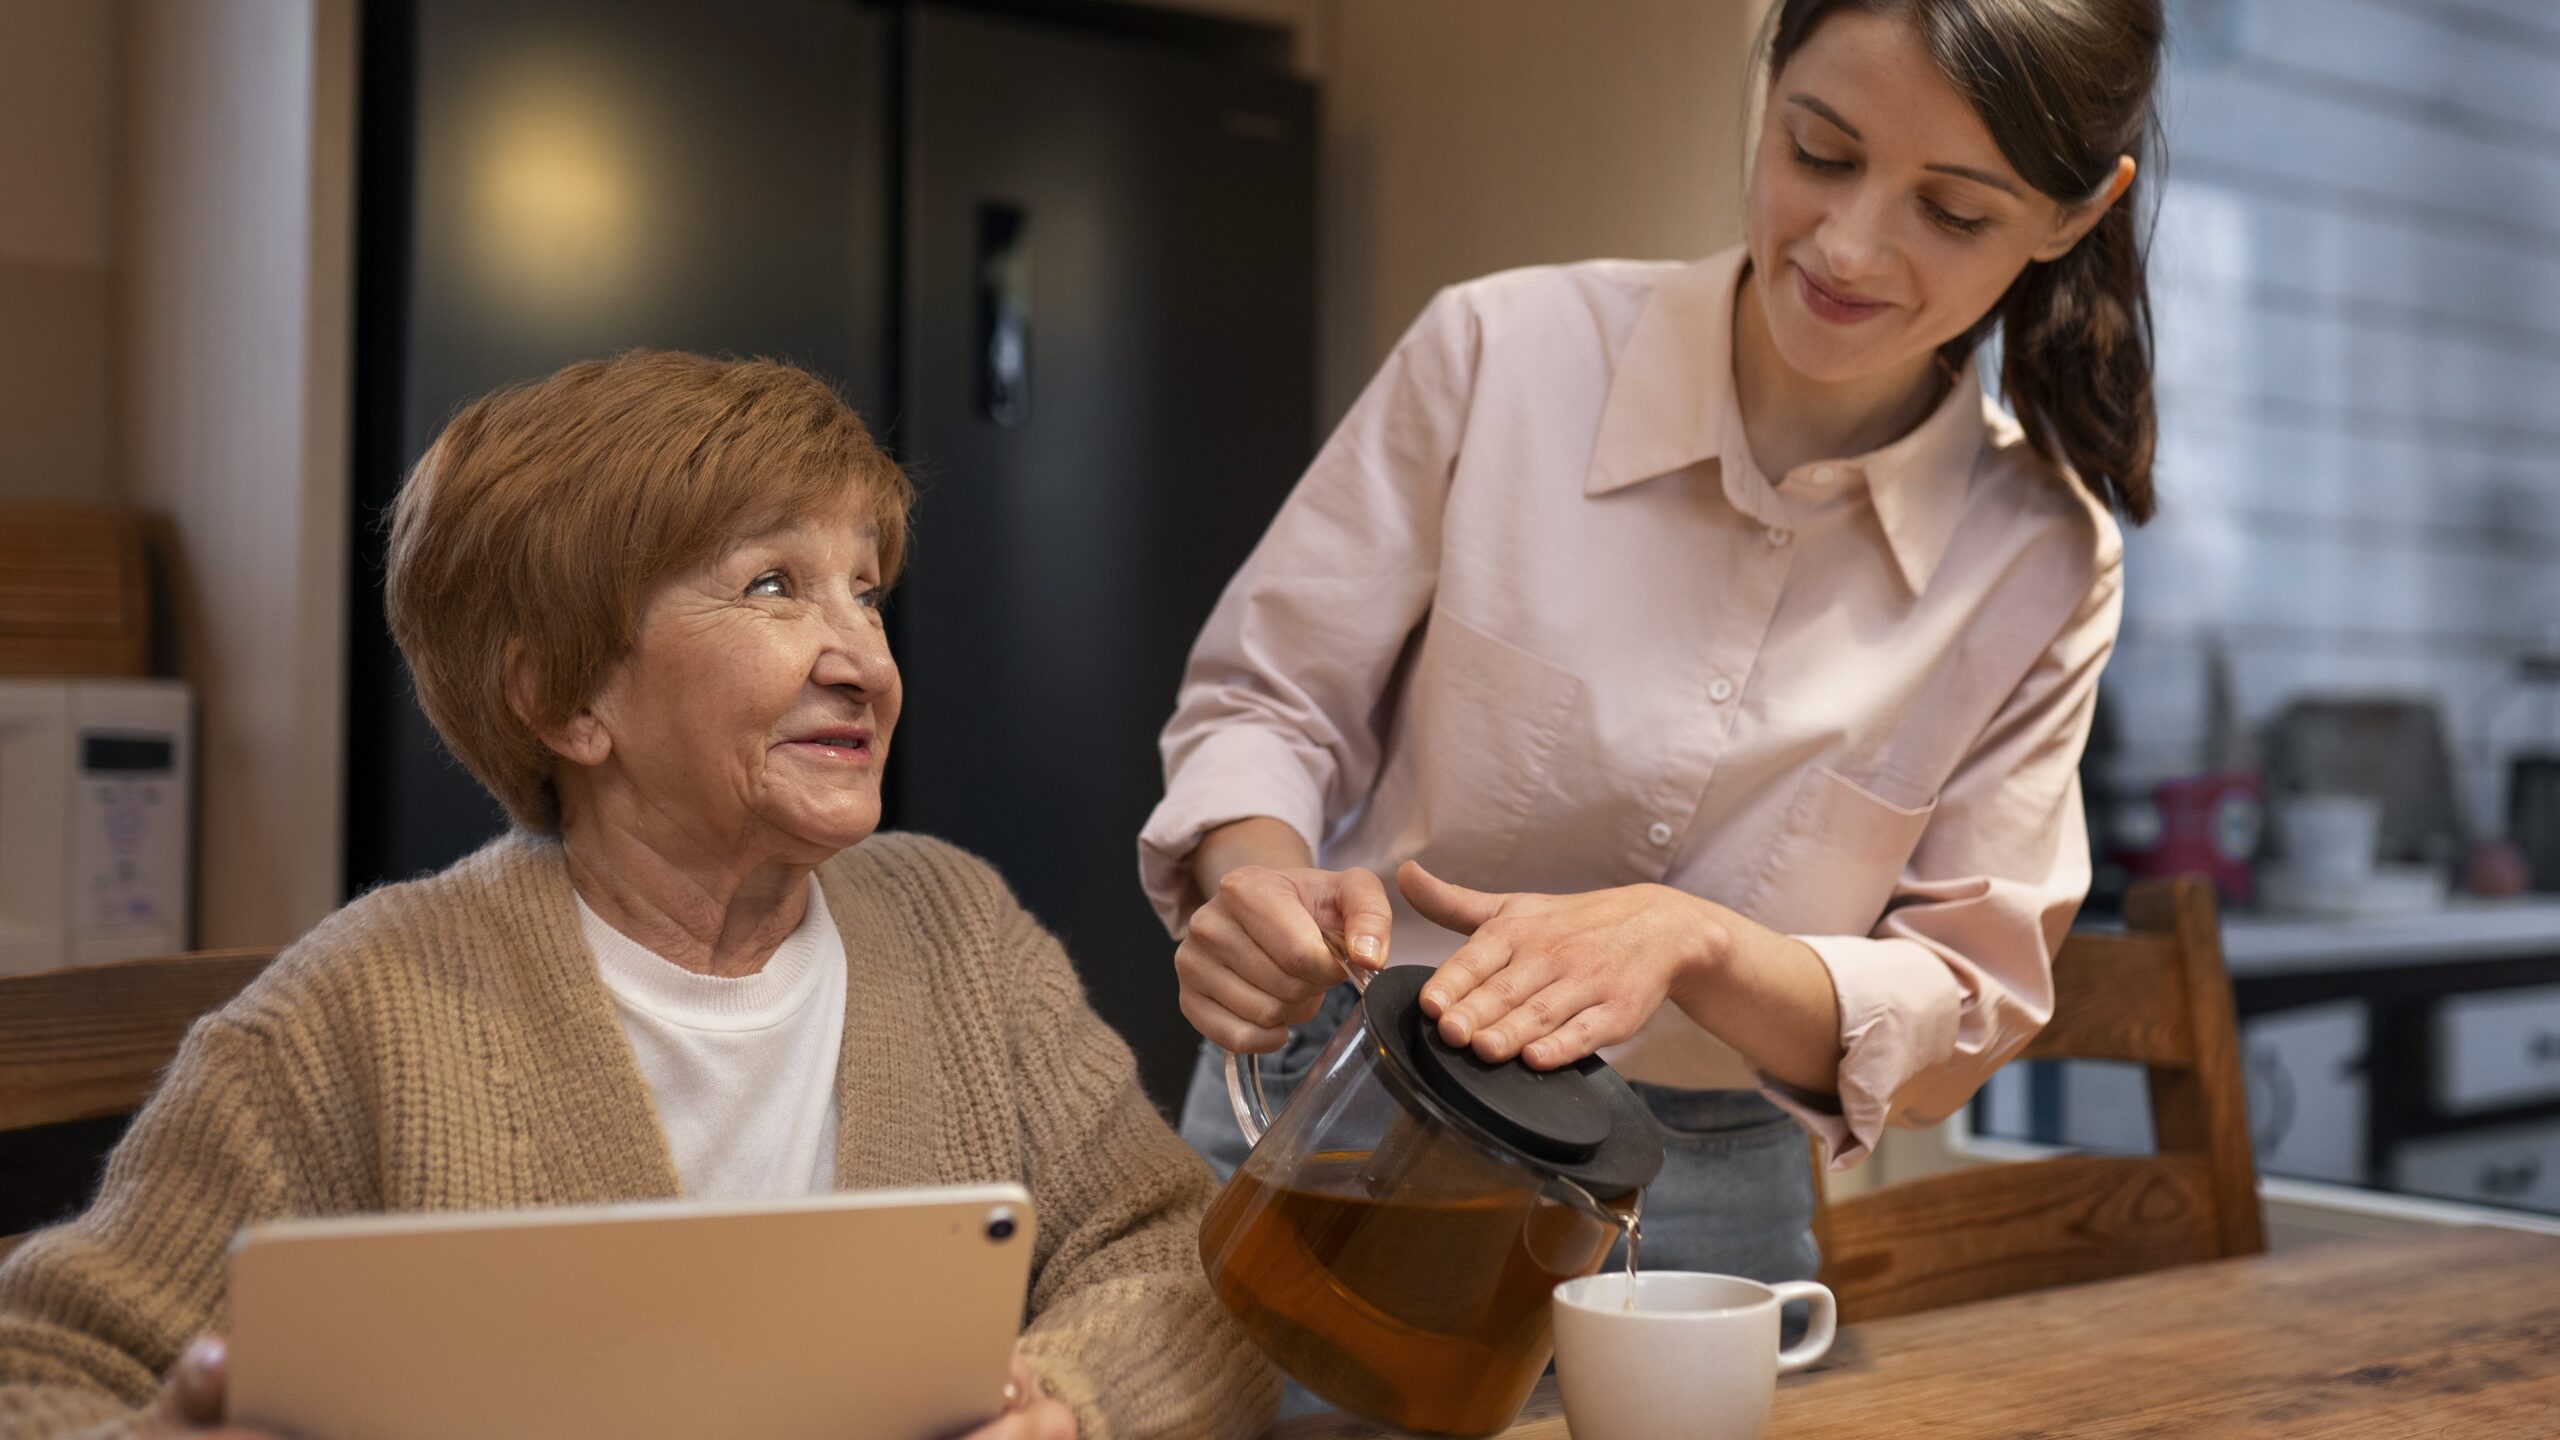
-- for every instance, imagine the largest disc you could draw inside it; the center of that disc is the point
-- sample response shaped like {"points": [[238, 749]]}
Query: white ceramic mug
{"points": [[1696, 1359], [2329, 837]]}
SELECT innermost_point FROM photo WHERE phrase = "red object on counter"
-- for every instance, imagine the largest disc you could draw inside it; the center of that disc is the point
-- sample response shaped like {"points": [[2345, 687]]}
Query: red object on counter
{"points": [[2496, 867], [2205, 825]]}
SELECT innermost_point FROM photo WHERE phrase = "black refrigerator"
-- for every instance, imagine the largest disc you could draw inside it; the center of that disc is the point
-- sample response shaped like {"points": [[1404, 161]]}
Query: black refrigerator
{"points": [[1060, 256]]}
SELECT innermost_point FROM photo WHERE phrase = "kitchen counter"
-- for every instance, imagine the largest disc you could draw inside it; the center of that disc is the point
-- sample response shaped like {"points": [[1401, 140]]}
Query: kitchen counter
{"points": [[2465, 929]]}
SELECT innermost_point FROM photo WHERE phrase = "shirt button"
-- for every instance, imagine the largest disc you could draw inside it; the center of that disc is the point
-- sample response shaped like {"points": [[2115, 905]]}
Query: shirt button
{"points": [[1720, 690], [1659, 834], [1780, 534]]}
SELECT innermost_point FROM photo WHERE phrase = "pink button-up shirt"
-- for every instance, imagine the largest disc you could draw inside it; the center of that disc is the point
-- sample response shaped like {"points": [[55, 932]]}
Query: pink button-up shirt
{"points": [[1536, 618]]}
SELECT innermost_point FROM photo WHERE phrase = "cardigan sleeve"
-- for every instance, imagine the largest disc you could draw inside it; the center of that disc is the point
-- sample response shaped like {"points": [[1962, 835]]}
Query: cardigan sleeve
{"points": [[1123, 1325], [95, 1310]]}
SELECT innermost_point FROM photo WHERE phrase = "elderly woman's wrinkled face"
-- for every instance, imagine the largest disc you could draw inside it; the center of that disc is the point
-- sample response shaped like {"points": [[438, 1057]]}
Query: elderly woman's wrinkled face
{"points": [[757, 706]]}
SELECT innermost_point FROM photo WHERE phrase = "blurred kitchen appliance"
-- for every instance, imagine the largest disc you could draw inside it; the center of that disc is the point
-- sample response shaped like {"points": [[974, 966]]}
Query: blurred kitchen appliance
{"points": [[2390, 749], [2328, 865], [96, 820], [2533, 816], [2205, 825], [2533, 776]]}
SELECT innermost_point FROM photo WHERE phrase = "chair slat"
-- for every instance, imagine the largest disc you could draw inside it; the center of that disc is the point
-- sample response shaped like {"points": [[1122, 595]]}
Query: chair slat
{"points": [[2156, 996], [2203, 1108], [2117, 997], [1996, 1230]]}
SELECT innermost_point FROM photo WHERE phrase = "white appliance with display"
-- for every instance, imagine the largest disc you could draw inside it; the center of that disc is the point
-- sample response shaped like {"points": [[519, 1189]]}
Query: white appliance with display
{"points": [[97, 779]]}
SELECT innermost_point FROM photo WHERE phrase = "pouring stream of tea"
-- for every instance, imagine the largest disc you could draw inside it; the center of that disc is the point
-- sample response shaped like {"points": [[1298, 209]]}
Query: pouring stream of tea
{"points": [[1635, 1243]]}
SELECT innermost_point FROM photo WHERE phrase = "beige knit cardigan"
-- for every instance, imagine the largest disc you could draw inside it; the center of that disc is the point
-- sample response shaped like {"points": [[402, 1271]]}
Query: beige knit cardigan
{"points": [[446, 1044]]}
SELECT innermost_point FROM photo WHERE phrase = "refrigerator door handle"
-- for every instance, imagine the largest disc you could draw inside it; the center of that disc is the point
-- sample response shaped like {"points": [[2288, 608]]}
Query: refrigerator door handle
{"points": [[1004, 313]]}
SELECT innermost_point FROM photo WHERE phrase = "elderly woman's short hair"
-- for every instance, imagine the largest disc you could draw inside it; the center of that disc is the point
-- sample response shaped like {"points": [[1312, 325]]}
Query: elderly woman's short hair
{"points": [[546, 513]]}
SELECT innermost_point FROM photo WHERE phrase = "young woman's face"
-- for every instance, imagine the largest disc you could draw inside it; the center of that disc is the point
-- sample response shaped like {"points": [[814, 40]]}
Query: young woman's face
{"points": [[1883, 219]]}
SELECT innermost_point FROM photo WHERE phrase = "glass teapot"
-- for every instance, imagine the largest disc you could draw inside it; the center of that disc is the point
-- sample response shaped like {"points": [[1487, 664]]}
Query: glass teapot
{"points": [[1393, 1239]]}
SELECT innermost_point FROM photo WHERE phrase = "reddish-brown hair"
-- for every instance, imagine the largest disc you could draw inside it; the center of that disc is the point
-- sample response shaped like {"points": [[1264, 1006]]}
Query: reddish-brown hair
{"points": [[546, 513]]}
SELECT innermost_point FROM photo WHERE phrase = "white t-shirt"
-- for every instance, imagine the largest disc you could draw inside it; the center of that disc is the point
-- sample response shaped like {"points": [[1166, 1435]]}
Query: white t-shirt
{"points": [[743, 1068]]}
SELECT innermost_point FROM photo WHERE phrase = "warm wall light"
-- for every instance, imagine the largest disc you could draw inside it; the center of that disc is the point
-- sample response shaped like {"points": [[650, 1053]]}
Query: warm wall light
{"points": [[556, 190]]}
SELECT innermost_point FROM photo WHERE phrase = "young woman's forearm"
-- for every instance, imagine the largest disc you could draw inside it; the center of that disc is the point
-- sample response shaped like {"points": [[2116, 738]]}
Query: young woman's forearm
{"points": [[1770, 997], [1255, 840]]}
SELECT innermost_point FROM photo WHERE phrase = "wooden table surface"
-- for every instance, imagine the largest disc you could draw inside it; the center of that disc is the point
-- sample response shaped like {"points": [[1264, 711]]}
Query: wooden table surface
{"points": [[2455, 1334]]}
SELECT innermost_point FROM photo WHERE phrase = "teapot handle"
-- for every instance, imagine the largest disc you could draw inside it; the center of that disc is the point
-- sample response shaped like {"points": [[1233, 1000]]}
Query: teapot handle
{"points": [[1244, 1072], [1253, 1111]]}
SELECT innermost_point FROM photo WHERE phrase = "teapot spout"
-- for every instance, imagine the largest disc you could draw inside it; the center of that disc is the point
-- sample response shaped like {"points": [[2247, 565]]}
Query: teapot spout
{"points": [[1620, 1216]]}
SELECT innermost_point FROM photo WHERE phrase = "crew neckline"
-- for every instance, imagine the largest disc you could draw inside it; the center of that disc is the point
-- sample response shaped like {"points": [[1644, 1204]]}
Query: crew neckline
{"points": [[648, 981]]}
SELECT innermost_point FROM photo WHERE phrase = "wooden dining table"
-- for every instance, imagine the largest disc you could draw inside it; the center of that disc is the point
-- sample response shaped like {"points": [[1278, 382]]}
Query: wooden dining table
{"points": [[2454, 1334]]}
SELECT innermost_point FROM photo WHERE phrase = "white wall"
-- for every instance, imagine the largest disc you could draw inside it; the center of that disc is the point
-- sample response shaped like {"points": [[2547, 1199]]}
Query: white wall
{"points": [[2358, 282], [232, 333], [57, 248], [1468, 136], [2357, 279]]}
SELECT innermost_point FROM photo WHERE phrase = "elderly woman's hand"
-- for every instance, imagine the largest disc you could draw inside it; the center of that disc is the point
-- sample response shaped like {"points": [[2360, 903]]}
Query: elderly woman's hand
{"points": [[191, 1399], [1029, 1413]]}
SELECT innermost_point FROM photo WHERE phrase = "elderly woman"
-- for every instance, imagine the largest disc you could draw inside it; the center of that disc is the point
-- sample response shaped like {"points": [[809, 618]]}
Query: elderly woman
{"points": [[641, 600]]}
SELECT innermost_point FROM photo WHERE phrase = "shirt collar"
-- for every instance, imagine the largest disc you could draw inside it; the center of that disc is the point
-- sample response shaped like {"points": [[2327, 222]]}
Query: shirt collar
{"points": [[1918, 483], [1672, 404]]}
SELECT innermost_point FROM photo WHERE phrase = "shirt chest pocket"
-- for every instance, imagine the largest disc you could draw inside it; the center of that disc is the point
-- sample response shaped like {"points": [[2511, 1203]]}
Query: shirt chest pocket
{"points": [[1839, 853], [1488, 720]]}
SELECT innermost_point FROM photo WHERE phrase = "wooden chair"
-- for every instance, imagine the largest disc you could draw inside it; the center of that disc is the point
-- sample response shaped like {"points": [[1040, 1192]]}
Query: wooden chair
{"points": [[90, 1041], [2157, 996]]}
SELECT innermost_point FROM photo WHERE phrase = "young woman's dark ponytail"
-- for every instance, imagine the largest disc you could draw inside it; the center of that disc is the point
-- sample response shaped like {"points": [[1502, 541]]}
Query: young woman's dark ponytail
{"points": [[2075, 361], [2065, 87]]}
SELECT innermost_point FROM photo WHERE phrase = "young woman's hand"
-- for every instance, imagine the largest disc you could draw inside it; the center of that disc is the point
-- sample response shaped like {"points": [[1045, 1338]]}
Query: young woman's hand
{"points": [[1029, 1413], [191, 1399], [1260, 953], [1552, 978]]}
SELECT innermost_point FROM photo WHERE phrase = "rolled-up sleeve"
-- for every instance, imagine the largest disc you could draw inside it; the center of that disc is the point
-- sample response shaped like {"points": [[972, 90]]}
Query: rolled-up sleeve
{"points": [[1958, 975], [1275, 713]]}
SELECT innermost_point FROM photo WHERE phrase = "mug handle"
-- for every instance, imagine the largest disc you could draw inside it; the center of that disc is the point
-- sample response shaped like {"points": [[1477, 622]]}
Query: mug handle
{"points": [[1819, 1335]]}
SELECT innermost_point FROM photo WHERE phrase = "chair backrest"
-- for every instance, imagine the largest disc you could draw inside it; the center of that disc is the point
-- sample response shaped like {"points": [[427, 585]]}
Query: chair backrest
{"points": [[2157, 996], [91, 1040]]}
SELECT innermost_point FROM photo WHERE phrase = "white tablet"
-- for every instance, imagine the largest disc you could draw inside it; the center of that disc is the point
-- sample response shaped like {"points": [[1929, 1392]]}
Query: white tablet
{"points": [[883, 1315]]}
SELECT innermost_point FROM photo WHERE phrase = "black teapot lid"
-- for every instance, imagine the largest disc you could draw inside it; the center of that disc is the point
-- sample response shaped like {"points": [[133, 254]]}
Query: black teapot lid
{"points": [[1581, 1122]]}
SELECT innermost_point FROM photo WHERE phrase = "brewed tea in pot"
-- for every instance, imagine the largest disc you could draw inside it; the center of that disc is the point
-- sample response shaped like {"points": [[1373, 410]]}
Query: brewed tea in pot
{"points": [[1393, 1238]]}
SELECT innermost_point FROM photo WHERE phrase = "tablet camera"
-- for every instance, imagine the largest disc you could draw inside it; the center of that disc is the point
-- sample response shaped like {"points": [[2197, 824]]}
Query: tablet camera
{"points": [[1000, 1224]]}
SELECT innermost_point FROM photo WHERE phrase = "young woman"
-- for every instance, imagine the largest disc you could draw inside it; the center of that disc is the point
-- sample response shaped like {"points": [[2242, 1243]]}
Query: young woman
{"points": [[1710, 653]]}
